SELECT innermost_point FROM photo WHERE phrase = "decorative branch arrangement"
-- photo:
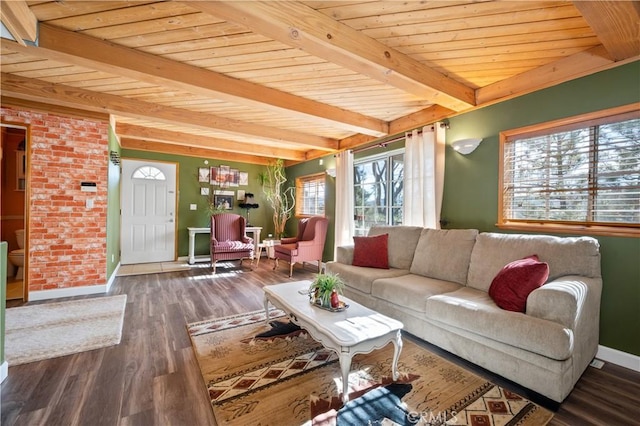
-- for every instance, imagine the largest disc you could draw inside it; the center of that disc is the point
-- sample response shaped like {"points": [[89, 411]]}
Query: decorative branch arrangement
{"points": [[282, 200]]}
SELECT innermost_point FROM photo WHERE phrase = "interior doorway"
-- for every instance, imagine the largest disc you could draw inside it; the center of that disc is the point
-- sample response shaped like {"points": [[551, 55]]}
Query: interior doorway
{"points": [[13, 211]]}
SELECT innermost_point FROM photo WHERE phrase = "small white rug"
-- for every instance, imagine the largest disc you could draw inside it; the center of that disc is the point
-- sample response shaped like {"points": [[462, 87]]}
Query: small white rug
{"points": [[50, 330]]}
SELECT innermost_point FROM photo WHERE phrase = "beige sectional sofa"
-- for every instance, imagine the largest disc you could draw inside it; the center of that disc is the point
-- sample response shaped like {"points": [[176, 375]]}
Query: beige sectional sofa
{"points": [[437, 285]]}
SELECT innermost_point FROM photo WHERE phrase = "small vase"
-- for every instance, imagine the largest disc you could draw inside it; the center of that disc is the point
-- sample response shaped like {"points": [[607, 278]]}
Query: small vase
{"points": [[335, 300]]}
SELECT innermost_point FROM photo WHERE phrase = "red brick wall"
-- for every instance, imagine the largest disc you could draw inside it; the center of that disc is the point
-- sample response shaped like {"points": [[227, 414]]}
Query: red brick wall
{"points": [[67, 240]]}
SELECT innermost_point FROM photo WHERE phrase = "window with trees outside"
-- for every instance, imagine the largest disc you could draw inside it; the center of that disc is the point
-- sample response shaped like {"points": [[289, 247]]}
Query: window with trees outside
{"points": [[378, 191], [580, 174], [310, 195]]}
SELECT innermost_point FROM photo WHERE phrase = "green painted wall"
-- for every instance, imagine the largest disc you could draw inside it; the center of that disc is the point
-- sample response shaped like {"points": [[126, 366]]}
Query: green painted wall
{"points": [[113, 209], [189, 193], [311, 168], [471, 183]]}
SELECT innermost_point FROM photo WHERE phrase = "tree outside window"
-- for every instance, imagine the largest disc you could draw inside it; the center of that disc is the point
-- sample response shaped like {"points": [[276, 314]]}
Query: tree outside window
{"points": [[378, 191], [572, 175]]}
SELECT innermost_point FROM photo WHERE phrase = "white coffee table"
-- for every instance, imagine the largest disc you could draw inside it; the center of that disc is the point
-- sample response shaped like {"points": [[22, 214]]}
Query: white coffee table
{"points": [[356, 330]]}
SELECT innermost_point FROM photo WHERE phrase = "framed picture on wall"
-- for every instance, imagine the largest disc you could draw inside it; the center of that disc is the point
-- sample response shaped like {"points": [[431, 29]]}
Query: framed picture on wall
{"points": [[243, 178], [214, 176], [234, 177], [204, 174], [223, 199], [224, 174]]}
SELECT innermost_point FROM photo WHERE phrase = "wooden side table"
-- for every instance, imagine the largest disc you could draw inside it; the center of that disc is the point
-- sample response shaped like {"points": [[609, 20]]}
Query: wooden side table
{"points": [[267, 245]]}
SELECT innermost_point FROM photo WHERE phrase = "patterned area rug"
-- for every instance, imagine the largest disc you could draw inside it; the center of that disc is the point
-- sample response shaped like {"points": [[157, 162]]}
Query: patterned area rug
{"points": [[275, 374]]}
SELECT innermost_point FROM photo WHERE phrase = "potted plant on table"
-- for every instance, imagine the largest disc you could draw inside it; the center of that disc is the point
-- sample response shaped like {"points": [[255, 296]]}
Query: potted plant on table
{"points": [[324, 290]]}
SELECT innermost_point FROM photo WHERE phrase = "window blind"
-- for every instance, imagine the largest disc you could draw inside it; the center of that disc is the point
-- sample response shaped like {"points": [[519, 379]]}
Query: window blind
{"points": [[586, 174], [310, 195]]}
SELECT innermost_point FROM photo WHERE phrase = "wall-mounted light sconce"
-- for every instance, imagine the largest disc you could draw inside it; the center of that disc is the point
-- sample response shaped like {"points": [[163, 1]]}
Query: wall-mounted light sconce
{"points": [[466, 146], [331, 172]]}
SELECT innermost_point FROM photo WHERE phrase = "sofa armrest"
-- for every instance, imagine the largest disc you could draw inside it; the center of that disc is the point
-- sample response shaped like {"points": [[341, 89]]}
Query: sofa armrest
{"points": [[344, 254], [566, 300], [288, 240]]}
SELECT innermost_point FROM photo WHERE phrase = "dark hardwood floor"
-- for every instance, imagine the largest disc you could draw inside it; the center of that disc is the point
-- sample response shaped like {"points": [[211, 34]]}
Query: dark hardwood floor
{"points": [[152, 377]]}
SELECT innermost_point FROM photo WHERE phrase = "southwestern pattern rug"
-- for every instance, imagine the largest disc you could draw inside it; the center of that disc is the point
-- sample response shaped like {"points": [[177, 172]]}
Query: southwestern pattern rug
{"points": [[276, 374]]}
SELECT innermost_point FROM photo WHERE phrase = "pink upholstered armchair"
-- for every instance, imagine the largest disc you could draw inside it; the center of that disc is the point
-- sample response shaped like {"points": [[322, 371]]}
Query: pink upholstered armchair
{"points": [[306, 246], [228, 239]]}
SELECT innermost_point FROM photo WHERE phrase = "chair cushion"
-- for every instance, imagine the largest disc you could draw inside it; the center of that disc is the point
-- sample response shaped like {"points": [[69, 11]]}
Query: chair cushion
{"points": [[231, 246], [359, 278], [444, 254], [474, 311], [513, 284], [402, 243], [371, 252], [565, 255], [287, 249], [410, 291]]}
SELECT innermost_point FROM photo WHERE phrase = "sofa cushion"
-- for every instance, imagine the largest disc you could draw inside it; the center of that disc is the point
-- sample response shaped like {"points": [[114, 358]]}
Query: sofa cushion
{"points": [[474, 311], [410, 291], [513, 284], [371, 252], [565, 256], [444, 254], [402, 243], [361, 278]]}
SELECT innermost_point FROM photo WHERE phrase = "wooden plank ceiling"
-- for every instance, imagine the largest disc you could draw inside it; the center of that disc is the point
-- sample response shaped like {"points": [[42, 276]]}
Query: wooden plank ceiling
{"points": [[253, 81]]}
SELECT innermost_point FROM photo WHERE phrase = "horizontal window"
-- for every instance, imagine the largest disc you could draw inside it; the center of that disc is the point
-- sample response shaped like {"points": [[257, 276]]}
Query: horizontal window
{"points": [[573, 175]]}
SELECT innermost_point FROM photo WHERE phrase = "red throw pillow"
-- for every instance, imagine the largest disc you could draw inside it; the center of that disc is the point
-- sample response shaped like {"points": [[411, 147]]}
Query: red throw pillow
{"points": [[371, 252], [513, 284]]}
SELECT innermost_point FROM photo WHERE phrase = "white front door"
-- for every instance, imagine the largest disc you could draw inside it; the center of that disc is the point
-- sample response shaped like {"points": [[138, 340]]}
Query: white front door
{"points": [[148, 211]]}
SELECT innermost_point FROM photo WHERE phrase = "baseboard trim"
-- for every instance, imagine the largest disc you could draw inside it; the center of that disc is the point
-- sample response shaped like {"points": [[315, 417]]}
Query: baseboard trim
{"points": [[4, 371], [197, 259], [620, 358], [113, 276], [57, 293]]}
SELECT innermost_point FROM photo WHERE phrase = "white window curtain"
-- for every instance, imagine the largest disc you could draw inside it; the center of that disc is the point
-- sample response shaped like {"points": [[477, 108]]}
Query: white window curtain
{"points": [[424, 176], [344, 226]]}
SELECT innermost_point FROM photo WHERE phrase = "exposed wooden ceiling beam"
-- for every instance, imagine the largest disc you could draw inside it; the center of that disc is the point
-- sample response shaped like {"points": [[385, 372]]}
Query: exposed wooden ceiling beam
{"points": [[190, 151], [298, 25], [403, 124], [53, 109], [616, 23], [78, 49], [19, 20], [420, 118], [58, 94], [132, 131], [569, 68]]}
